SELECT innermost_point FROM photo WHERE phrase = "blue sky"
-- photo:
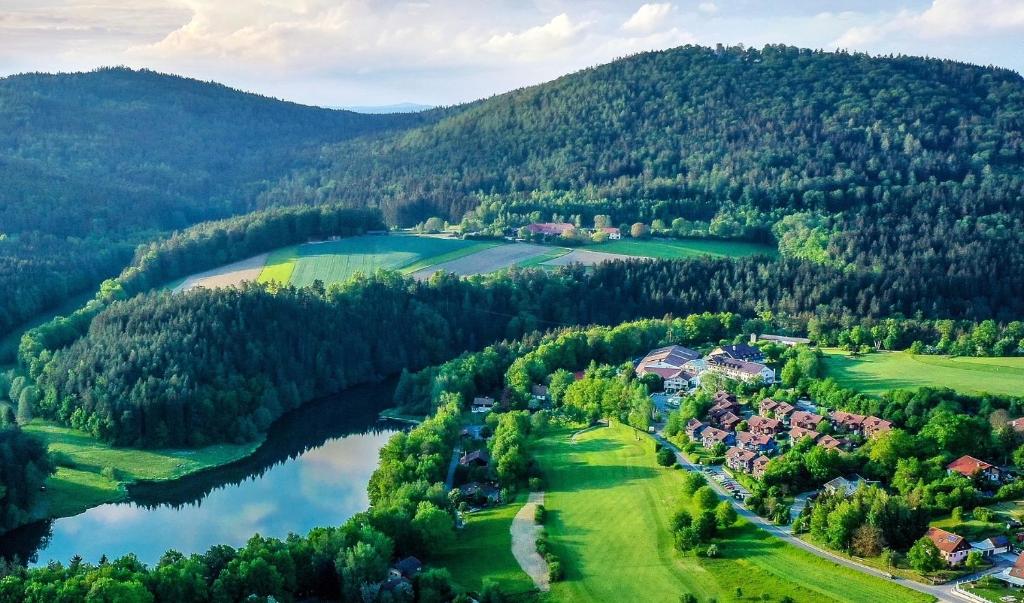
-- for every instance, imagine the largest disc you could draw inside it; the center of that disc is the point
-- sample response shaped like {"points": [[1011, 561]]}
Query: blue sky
{"points": [[348, 52]]}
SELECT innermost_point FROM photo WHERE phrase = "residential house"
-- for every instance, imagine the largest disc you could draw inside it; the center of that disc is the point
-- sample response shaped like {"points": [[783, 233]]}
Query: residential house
{"points": [[727, 421], [994, 545], [741, 370], [954, 548], [551, 228], [1017, 425], [846, 486], [477, 458], [613, 233], [759, 465], [783, 339], [740, 351], [830, 443], [711, 436], [483, 404], [724, 404], [406, 568], [846, 421], [805, 420], [677, 380], [779, 410], [539, 392], [487, 492], [874, 426], [694, 429], [755, 442], [968, 466], [798, 433], [1013, 575], [740, 459], [764, 426], [399, 589]]}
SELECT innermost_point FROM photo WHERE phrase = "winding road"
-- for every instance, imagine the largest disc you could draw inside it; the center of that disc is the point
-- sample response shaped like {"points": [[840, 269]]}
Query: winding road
{"points": [[944, 592]]}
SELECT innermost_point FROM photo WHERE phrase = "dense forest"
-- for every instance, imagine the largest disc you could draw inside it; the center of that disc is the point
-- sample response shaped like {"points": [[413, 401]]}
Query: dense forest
{"points": [[24, 467], [92, 164]]}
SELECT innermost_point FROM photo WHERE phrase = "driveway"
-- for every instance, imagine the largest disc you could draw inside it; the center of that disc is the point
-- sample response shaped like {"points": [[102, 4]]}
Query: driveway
{"points": [[942, 592]]}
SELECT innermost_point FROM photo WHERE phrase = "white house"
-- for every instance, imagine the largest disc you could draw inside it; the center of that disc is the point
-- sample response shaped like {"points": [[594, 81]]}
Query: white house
{"points": [[742, 370]]}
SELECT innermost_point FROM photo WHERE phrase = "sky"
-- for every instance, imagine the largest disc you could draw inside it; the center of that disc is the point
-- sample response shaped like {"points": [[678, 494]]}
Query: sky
{"points": [[438, 52]]}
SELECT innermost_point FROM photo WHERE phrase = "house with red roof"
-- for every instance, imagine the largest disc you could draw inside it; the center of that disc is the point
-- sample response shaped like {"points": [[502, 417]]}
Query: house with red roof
{"points": [[551, 228], [779, 410], [953, 547], [805, 420], [760, 464], [968, 466], [874, 426], [754, 442], [764, 425], [740, 459], [798, 433], [711, 436]]}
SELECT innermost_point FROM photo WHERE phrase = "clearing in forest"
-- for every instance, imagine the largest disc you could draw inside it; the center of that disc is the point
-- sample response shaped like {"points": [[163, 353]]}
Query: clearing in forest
{"points": [[230, 275], [880, 372], [609, 508], [486, 260]]}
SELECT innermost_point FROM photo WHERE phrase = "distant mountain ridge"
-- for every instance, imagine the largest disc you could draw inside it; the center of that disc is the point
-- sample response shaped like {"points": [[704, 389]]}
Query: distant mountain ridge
{"points": [[387, 109]]}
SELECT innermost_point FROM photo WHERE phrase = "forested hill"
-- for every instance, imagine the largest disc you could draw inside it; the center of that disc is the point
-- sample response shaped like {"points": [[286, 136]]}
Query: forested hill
{"points": [[88, 161]]}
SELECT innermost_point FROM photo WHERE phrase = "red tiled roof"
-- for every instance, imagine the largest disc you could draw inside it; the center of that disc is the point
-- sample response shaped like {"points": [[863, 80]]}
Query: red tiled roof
{"points": [[947, 542], [968, 465], [550, 228]]}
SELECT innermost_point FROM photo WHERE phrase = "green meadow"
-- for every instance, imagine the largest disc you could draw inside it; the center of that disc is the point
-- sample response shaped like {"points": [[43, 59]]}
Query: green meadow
{"points": [[683, 248], [336, 261], [609, 508], [880, 372]]}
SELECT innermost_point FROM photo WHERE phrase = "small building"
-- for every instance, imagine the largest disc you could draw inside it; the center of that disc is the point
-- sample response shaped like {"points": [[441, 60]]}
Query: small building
{"points": [[740, 459], [740, 351], [539, 392], [968, 466], [711, 436], [755, 442], [741, 370], [406, 568], [846, 486], [798, 433], [995, 545], [614, 234], [477, 458], [874, 426], [806, 420], [694, 429], [954, 548], [1017, 425], [760, 464], [830, 443], [764, 426], [783, 339], [483, 404], [482, 491]]}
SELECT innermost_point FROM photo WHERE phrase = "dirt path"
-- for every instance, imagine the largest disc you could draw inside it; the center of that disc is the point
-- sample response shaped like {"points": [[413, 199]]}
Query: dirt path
{"points": [[524, 542]]}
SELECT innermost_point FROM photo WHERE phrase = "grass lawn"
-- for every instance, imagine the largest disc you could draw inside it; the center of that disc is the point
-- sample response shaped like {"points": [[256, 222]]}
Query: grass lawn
{"points": [[993, 590], [73, 490], [971, 529], [609, 507], [683, 248], [883, 371], [337, 261], [483, 552]]}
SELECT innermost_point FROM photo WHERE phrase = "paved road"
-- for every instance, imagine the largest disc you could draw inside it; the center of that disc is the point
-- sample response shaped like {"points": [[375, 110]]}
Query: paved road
{"points": [[942, 592], [456, 455]]}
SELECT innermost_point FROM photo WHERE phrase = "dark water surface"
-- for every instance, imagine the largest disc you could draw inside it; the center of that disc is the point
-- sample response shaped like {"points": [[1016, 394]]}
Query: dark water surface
{"points": [[311, 471]]}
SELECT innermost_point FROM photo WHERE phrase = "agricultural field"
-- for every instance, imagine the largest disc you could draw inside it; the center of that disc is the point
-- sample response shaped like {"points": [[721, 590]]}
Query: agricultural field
{"points": [[93, 473], [609, 507], [229, 275], [880, 372], [336, 261], [484, 261], [671, 249], [587, 257]]}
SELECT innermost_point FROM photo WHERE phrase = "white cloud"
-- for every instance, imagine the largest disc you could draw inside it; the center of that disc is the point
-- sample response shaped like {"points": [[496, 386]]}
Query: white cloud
{"points": [[648, 18], [708, 8], [941, 20], [536, 42]]}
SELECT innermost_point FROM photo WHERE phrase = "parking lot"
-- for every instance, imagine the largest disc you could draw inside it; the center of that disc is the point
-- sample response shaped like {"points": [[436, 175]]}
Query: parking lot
{"points": [[725, 482]]}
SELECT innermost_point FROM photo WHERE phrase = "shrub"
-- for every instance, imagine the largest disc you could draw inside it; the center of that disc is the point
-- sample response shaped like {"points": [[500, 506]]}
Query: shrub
{"points": [[666, 458], [62, 459], [555, 571], [536, 485], [109, 473], [539, 514]]}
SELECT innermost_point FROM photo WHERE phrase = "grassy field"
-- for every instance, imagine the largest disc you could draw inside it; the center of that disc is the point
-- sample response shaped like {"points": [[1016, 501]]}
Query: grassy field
{"points": [[883, 371], [99, 471], [336, 261], [609, 507], [683, 248], [483, 552]]}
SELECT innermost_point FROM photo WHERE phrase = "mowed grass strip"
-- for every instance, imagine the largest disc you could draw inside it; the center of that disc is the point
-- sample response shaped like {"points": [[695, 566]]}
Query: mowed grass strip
{"points": [[483, 552], [280, 265], [609, 507], [99, 471], [880, 372], [671, 249], [337, 261]]}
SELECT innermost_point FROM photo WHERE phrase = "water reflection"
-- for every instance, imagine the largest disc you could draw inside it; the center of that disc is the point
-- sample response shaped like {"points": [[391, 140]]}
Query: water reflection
{"points": [[312, 470]]}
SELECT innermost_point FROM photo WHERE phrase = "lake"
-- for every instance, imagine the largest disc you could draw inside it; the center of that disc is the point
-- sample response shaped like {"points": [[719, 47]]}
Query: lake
{"points": [[311, 471]]}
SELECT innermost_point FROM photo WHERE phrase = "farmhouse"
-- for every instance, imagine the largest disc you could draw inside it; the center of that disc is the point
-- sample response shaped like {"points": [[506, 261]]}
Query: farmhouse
{"points": [[968, 466], [742, 370], [740, 459], [764, 426], [805, 420], [760, 464], [550, 228], [740, 351], [483, 404], [711, 436], [754, 442], [994, 545], [779, 410], [783, 339], [613, 233], [953, 548], [798, 433], [694, 429]]}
